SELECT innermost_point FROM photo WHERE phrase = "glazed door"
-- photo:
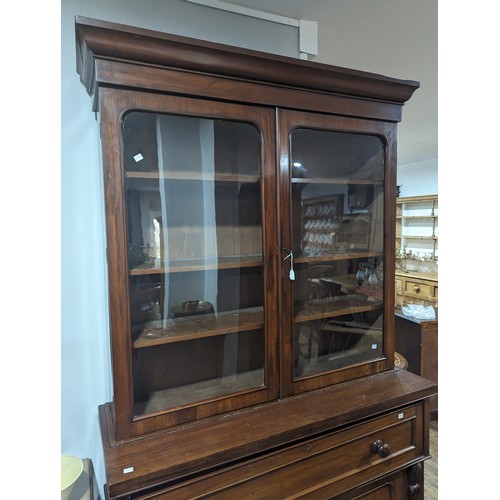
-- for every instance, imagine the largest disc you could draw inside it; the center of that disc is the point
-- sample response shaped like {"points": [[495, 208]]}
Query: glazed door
{"points": [[192, 249], [337, 176]]}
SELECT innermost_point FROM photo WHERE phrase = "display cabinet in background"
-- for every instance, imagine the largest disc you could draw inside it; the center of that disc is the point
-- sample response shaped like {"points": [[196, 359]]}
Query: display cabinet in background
{"points": [[250, 204], [417, 250]]}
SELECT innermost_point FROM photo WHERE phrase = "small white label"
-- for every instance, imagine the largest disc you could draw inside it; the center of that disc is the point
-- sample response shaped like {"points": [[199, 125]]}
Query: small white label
{"points": [[400, 416], [128, 470], [292, 274], [374, 346], [138, 157]]}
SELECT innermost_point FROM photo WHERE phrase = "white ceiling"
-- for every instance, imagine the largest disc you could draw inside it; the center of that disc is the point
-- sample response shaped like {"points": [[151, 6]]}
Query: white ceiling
{"points": [[397, 38]]}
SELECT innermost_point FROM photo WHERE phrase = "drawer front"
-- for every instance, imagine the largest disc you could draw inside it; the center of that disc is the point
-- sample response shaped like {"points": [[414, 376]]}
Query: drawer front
{"points": [[419, 289], [421, 301], [336, 461]]}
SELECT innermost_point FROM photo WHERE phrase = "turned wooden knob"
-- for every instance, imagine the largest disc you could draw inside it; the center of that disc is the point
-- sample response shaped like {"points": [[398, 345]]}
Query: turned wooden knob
{"points": [[381, 449], [414, 474], [413, 489], [416, 289]]}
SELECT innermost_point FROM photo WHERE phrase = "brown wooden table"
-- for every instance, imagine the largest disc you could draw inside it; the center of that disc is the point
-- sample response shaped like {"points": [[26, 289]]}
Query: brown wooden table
{"points": [[417, 341]]}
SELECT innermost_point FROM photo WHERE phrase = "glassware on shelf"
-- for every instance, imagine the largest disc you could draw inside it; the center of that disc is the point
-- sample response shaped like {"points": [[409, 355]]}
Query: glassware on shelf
{"points": [[360, 275], [373, 280]]}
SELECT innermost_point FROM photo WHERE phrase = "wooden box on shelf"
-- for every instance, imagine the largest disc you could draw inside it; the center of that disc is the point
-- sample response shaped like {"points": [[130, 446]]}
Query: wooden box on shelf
{"points": [[250, 236]]}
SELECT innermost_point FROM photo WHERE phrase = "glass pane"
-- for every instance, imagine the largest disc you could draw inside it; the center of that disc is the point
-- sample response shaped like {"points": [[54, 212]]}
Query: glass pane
{"points": [[337, 232], [195, 258]]}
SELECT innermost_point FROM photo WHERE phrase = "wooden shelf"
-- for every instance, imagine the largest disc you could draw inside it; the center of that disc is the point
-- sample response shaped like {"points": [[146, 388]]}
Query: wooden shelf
{"points": [[201, 326], [199, 391], [330, 362], [416, 296], [333, 307], [417, 199], [416, 274], [339, 328], [331, 257], [349, 284], [416, 259], [183, 175], [188, 265], [341, 181], [417, 216], [416, 237]]}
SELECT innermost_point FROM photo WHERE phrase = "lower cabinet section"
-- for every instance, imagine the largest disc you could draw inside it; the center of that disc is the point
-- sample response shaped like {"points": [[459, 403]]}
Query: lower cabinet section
{"points": [[320, 468], [351, 441], [400, 485]]}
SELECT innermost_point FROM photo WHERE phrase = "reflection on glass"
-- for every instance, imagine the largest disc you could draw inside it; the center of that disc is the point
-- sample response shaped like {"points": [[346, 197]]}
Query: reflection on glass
{"points": [[195, 258], [337, 232]]}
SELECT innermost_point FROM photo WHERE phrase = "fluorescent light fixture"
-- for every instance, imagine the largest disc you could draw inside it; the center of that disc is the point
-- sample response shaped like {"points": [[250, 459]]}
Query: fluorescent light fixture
{"points": [[245, 11], [308, 30]]}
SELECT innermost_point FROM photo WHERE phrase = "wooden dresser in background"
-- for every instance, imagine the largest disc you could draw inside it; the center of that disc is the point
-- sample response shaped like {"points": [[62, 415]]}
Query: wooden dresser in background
{"points": [[413, 287], [417, 231]]}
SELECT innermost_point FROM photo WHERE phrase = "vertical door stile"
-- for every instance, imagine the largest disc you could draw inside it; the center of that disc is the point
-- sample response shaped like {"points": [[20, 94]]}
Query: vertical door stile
{"points": [[111, 110], [286, 295], [270, 219]]}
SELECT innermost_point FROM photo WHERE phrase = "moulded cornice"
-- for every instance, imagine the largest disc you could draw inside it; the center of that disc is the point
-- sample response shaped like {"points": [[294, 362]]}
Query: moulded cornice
{"points": [[104, 40]]}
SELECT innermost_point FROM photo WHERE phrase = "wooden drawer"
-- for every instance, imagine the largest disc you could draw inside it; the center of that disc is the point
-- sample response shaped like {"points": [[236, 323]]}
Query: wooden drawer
{"points": [[419, 289], [326, 465]]}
